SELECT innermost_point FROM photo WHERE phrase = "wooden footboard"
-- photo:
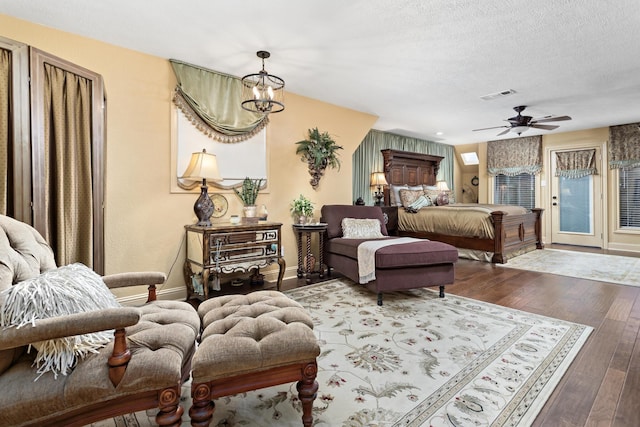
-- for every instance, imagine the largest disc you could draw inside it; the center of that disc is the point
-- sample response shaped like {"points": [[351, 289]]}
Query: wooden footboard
{"points": [[514, 234]]}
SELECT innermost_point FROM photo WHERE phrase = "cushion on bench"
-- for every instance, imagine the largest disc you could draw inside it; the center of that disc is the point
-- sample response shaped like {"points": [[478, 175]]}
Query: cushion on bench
{"points": [[426, 252]]}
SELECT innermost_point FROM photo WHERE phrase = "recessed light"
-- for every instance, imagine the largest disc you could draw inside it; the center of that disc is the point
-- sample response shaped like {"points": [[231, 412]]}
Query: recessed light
{"points": [[439, 133]]}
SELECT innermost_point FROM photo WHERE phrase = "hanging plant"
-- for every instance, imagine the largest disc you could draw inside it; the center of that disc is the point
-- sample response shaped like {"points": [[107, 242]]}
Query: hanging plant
{"points": [[319, 151]]}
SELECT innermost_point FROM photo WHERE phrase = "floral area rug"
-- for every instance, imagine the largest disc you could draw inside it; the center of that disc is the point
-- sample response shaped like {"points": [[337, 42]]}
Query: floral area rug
{"points": [[418, 360], [601, 267]]}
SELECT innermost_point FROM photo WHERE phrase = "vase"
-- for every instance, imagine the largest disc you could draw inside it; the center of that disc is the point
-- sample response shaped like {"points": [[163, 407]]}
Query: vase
{"points": [[250, 214], [302, 219]]}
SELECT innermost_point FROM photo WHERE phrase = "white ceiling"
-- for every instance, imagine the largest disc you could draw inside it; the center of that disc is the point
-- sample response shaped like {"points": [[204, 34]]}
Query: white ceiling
{"points": [[421, 66]]}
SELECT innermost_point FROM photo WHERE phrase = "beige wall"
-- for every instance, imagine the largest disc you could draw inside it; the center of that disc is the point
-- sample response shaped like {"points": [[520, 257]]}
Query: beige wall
{"points": [[143, 220]]}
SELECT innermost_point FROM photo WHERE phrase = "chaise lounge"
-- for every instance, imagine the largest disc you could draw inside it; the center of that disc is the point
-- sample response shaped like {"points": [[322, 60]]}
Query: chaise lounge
{"points": [[416, 263]]}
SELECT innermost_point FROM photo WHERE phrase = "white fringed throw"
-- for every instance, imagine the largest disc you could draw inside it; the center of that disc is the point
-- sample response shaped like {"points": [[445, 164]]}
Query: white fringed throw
{"points": [[367, 255], [66, 290]]}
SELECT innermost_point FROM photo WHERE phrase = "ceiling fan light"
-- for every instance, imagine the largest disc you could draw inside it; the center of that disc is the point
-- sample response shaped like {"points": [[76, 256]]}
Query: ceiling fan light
{"points": [[519, 129]]}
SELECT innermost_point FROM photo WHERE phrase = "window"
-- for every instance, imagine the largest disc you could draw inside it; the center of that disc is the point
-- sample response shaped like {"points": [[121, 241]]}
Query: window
{"points": [[515, 190], [629, 191]]}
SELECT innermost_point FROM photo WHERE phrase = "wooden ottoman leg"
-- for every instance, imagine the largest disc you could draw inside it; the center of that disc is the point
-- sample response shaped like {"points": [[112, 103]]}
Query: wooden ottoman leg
{"points": [[307, 388], [441, 295], [202, 408], [170, 413]]}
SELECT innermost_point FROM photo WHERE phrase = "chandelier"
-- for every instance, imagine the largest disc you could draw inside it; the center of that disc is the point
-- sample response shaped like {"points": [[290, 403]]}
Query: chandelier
{"points": [[262, 92]]}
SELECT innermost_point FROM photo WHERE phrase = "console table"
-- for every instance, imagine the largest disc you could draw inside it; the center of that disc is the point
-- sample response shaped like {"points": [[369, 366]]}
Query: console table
{"points": [[305, 260], [228, 248]]}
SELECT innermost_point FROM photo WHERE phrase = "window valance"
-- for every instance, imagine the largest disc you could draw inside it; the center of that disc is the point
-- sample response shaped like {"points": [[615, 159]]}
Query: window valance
{"points": [[624, 146], [212, 102], [576, 164], [515, 156]]}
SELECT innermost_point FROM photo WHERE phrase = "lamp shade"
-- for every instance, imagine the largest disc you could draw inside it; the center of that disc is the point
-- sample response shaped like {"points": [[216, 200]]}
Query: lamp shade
{"points": [[377, 179], [202, 165], [442, 186]]}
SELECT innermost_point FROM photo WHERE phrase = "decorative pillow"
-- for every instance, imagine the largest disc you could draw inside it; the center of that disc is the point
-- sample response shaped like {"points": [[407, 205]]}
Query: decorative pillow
{"points": [[367, 228], [409, 196], [421, 202], [74, 288], [394, 194], [432, 194]]}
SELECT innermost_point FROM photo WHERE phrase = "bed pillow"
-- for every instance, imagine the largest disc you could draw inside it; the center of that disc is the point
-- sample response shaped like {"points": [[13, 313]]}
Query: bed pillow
{"points": [[421, 202], [432, 193], [409, 196], [394, 194], [368, 228], [74, 288]]}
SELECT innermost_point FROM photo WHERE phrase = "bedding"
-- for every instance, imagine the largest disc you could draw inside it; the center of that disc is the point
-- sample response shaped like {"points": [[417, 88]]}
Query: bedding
{"points": [[461, 219]]}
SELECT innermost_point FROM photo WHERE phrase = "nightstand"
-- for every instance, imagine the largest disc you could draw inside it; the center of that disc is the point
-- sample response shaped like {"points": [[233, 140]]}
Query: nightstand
{"points": [[391, 216]]}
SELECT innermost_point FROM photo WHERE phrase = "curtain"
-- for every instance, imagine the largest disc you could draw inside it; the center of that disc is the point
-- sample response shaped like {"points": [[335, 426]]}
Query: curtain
{"points": [[576, 164], [68, 168], [5, 171], [212, 102], [624, 146], [367, 159], [515, 156]]}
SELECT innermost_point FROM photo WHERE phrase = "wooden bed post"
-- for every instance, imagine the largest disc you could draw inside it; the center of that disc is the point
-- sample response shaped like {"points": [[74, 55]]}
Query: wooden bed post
{"points": [[538, 227], [498, 238]]}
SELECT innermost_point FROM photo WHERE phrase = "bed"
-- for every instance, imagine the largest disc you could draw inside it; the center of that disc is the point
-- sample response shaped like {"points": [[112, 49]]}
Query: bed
{"points": [[503, 231]]}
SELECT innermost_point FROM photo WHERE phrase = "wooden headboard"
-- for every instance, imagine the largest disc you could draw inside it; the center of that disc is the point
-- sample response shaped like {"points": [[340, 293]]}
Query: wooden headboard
{"points": [[405, 167]]}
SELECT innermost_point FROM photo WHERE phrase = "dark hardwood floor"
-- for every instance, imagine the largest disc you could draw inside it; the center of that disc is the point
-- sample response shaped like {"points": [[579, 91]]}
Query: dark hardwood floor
{"points": [[602, 386]]}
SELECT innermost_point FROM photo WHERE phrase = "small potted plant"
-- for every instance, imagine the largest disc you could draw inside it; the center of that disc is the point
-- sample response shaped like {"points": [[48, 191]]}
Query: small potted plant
{"points": [[302, 209], [319, 151], [248, 193]]}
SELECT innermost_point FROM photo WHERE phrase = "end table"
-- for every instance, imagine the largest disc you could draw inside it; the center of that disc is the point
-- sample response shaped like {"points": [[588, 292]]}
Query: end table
{"points": [[305, 266]]}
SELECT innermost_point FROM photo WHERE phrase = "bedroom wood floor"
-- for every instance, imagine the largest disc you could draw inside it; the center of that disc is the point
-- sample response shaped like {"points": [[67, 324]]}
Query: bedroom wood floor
{"points": [[602, 386]]}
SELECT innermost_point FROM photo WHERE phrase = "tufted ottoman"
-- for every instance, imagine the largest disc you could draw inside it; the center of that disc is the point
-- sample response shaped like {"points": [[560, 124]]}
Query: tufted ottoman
{"points": [[250, 342]]}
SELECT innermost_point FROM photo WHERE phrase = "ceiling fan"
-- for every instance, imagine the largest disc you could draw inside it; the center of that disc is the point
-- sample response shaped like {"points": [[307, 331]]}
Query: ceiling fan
{"points": [[520, 123]]}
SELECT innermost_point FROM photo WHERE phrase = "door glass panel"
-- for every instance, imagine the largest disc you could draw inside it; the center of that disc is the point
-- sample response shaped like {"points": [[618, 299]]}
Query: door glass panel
{"points": [[576, 213]]}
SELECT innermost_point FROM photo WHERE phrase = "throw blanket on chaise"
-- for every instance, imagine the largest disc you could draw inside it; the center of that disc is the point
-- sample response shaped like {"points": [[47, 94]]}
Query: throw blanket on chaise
{"points": [[367, 255]]}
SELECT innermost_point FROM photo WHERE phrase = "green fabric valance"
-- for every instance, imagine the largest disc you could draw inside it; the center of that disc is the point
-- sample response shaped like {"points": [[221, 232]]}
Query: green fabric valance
{"points": [[624, 146], [576, 164], [515, 156], [212, 102]]}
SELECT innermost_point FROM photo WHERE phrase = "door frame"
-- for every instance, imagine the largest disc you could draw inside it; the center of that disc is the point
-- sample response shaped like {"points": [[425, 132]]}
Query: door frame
{"points": [[547, 183]]}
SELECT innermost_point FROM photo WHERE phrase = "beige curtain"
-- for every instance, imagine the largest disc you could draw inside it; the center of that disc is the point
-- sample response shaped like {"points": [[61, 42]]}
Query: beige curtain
{"points": [[212, 102], [68, 183], [624, 146], [5, 172], [576, 164], [515, 156]]}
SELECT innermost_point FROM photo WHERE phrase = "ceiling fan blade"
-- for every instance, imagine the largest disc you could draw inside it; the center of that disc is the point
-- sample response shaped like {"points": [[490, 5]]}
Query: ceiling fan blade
{"points": [[551, 119], [545, 127], [504, 131], [495, 127]]}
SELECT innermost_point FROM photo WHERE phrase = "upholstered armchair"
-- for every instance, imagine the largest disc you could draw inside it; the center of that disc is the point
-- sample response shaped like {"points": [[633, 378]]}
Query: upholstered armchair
{"points": [[141, 365]]}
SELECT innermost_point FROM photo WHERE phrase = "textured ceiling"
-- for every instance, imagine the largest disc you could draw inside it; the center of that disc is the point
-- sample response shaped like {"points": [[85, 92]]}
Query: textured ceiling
{"points": [[420, 66]]}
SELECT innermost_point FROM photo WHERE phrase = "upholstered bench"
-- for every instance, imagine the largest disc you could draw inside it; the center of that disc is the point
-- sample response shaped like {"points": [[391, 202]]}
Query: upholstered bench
{"points": [[250, 342]]}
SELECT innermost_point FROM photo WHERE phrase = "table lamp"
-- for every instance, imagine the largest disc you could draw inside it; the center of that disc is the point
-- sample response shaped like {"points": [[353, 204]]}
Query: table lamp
{"points": [[203, 166], [443, 195], [378, 180]]}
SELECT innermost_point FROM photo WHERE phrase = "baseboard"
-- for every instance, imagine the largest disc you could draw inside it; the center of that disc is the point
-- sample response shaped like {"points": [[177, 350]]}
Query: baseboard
{"points": [[625, 247], [179, 293]]}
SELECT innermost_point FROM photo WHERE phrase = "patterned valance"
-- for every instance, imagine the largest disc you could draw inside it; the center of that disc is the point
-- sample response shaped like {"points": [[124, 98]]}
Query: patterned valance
{"points": [[515, 156], [212, 102], [624, 146], [576, 164]]}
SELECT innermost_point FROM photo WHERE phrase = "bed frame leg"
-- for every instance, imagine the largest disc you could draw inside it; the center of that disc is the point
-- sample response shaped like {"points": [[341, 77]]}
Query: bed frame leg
{"points": [[441, 291], [379, 298]]}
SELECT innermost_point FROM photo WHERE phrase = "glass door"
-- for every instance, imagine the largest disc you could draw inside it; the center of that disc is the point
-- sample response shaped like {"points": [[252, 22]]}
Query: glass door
{"points": [[576, 207]]}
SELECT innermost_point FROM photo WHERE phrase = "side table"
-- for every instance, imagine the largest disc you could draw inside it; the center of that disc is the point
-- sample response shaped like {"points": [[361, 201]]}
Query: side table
{"points": [[305, 264]]}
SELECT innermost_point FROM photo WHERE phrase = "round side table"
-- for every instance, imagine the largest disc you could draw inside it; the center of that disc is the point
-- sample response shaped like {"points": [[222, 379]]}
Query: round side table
{"points": [[305, 266]]}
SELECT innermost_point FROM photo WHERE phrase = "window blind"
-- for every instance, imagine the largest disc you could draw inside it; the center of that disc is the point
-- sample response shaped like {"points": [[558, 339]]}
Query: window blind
{"points": [[629, 190], [515, 190]]}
